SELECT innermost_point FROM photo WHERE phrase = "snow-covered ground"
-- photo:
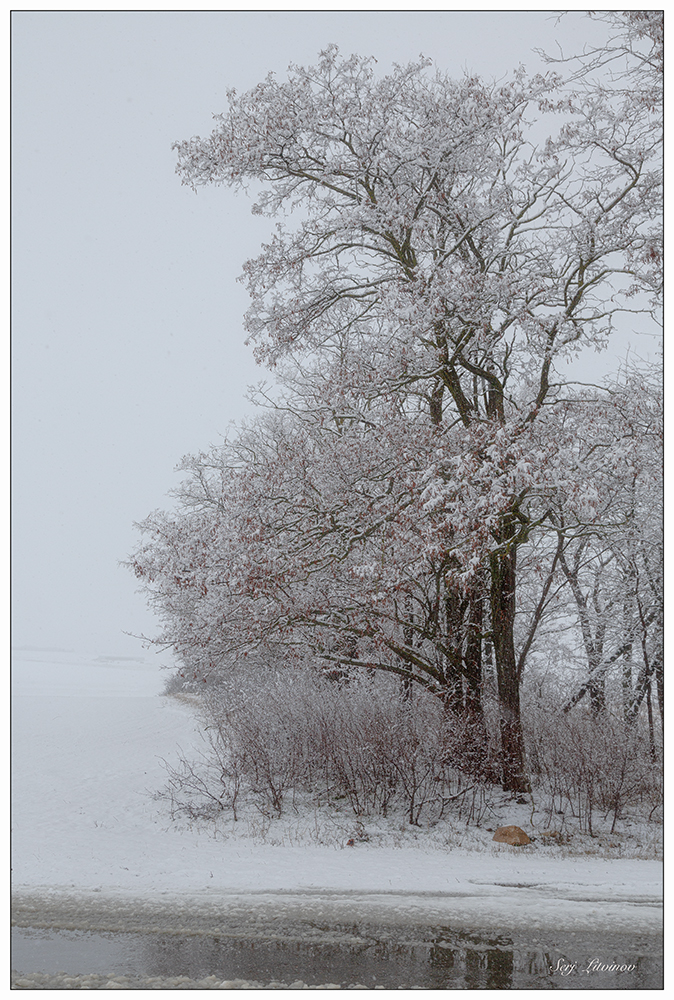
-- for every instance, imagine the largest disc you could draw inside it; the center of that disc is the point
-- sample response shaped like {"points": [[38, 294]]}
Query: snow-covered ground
{"points": [[89, 739]]}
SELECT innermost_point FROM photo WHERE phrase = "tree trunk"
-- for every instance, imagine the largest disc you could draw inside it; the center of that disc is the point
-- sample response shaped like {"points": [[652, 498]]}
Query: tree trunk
{"points": [[452, 664], [598, 695], [660, 684], [473, 657], [629, 609], [453, 692], [651, 727], [503, 579]]}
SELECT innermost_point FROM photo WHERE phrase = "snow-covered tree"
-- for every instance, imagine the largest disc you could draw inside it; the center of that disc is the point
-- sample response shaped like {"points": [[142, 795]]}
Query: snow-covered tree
{"points": [[614, 565], [445, 256]]}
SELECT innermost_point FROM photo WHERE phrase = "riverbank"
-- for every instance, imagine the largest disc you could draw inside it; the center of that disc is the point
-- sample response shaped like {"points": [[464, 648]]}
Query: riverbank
{"points": [[96, 852]]}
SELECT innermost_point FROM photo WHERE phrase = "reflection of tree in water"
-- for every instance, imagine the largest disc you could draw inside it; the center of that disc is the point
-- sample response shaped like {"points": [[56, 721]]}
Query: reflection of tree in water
{"points": [[438, 958], [497, 963], [464, 960], [477, 964], [499, 970]]}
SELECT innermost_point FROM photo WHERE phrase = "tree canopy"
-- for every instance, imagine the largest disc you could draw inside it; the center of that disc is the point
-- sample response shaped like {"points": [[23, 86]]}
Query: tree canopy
{"points": [[443, 246]]}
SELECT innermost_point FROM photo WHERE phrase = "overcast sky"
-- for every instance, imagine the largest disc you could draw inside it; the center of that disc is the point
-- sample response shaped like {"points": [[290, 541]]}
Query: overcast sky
{"points": [[127, 317]]}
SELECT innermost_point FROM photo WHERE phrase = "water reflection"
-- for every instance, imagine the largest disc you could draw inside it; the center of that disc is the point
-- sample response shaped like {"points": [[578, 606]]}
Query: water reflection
{"points": [[428, 958]]}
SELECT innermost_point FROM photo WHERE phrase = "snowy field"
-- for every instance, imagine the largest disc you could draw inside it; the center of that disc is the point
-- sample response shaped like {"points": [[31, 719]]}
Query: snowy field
{"points": [[94, 850]]}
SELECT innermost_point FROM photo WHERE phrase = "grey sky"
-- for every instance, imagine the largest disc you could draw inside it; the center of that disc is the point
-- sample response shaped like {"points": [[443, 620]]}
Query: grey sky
{"points": [[127, 342]]}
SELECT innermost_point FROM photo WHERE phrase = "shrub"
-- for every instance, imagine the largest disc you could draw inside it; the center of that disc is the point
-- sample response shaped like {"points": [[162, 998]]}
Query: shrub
{"points": [[586, 764], [275, 735]]}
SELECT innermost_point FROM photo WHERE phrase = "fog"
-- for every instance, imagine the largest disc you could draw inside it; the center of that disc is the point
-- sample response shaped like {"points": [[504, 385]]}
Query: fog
{"points": [[128, 342]]}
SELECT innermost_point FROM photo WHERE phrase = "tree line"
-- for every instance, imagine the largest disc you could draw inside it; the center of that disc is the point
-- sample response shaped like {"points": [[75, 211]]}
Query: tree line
{"points": [[425, 492]]}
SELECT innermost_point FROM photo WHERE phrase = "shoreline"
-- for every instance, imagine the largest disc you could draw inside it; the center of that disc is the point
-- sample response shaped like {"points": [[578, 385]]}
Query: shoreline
{"points": [[514, 910]]}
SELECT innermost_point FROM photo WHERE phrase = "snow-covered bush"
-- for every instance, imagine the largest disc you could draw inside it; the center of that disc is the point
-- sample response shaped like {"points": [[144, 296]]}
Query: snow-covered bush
{"points": [[277, 737], [589, 766], [277, 741]]}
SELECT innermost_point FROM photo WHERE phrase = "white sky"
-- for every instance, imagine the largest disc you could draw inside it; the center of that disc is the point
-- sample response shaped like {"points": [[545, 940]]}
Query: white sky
{"points": [[127, 318]]}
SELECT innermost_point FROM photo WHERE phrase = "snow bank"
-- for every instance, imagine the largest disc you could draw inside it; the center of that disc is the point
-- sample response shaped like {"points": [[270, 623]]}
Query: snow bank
{"points": [[89, 738]]}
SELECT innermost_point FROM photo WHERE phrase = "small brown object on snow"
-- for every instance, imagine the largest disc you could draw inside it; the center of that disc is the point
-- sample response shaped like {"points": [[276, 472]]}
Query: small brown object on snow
{"points": [[511, 835]]}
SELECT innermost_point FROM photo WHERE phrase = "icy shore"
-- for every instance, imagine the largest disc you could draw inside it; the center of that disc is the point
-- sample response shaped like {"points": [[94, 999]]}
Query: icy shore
{"points": [[93, 849]]}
